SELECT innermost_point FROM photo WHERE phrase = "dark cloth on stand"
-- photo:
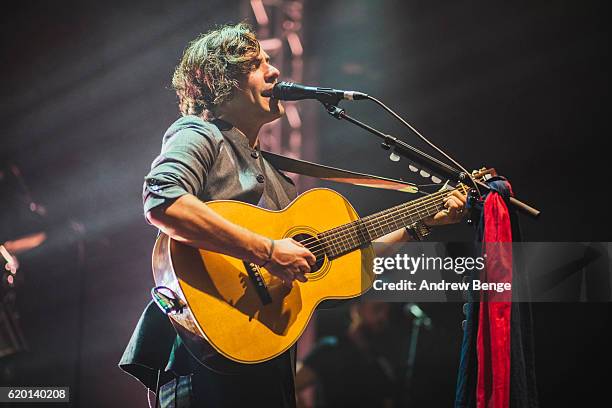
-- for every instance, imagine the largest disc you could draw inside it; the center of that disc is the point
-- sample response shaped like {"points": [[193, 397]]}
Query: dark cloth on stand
{"points": [[522, 392]]}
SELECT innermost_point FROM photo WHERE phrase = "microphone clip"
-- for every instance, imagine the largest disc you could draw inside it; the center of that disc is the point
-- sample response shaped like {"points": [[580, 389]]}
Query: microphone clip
{"points": [[333, 109]]}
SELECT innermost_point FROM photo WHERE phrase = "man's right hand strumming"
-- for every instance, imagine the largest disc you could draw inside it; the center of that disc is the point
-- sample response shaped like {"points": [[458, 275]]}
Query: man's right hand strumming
{"points": [[289, 260]]}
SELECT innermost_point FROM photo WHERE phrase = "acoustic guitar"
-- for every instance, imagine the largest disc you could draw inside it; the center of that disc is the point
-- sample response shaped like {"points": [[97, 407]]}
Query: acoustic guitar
{"points": [[227, 310]]}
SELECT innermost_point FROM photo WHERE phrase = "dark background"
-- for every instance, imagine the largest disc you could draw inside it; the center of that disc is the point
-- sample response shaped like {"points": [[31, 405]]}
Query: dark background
{"points": [[85, 100]]}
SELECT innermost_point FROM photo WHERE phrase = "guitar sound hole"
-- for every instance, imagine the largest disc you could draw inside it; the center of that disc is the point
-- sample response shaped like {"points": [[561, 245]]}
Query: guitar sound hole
{"points": [[315, 246]]}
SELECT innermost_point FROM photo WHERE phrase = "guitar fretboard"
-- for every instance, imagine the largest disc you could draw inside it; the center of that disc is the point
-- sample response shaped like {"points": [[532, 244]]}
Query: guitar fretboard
{"points": [[356, 234]]}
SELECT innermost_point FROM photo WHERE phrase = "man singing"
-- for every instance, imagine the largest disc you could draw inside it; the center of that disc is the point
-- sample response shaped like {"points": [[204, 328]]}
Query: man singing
{"points": [[212, 153]]}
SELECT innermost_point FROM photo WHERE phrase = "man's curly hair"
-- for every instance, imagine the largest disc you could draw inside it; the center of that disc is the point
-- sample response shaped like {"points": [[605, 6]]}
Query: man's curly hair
{"points": [[211, 66]]}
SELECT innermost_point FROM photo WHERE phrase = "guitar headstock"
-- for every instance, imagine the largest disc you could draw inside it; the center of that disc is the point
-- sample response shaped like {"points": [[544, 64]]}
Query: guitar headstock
{"points": [[484, 174]]}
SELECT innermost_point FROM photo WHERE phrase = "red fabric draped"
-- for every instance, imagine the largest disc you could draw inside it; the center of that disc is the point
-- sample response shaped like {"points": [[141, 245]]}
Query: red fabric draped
{"points": [[493, 341]]}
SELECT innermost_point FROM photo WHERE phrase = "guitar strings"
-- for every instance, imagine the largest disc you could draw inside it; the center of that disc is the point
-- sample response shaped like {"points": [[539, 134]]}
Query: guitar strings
{"points": [[340, 244], [335, 233], [425, 204], [339, 236], [405, 214], [402, 210]]}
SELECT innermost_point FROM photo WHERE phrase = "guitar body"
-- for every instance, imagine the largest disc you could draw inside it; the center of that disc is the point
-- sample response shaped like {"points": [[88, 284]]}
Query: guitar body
{"points": [[225, 315]]}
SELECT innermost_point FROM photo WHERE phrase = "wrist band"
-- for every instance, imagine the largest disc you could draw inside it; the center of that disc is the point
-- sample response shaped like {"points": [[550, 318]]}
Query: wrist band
{"points": [[418, 230], [269, 253], [412, 233]]}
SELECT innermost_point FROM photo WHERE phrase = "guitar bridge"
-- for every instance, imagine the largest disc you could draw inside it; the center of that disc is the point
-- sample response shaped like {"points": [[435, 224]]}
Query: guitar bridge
{"points": [[258, 281]]}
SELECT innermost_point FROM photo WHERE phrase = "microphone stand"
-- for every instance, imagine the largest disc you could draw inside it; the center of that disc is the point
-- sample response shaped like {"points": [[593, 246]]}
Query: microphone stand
{"points": [[405, 384], [411, 153], [419, 319]]}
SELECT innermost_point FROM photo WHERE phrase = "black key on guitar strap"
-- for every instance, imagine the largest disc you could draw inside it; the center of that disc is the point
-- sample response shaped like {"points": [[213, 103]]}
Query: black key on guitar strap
{"points": [[258, 282]]}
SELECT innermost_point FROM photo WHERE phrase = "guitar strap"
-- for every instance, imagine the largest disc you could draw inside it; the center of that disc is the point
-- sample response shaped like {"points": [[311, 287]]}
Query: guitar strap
{"points": [[329, 173]]}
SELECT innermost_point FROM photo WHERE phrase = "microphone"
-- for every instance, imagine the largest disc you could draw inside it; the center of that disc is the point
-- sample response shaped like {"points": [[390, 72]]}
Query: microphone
{"points": [[289, 91], [418, 314]]}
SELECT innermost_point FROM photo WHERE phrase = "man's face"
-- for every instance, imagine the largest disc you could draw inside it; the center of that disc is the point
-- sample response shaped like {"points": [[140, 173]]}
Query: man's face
{"points": [[248, 99], [374, 316]]}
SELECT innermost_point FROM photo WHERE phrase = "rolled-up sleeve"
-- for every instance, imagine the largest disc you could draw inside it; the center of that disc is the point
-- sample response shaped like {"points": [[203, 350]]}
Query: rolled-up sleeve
{"points": [[181, 168]]}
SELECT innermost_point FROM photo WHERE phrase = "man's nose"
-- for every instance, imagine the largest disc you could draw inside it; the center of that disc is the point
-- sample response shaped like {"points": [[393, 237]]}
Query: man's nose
{"points": [[272, 74]]}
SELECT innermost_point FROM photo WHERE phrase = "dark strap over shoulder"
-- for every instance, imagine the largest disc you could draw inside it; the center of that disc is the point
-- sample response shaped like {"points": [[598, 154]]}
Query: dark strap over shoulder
{"points": [[311, 169]]}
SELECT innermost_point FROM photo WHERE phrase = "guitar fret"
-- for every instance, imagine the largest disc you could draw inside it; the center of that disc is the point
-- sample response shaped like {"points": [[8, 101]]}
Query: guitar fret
{"points": [[350, 236]]}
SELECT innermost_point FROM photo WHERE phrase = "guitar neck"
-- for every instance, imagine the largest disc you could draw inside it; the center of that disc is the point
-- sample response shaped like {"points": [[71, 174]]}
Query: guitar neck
{"points": [[356, 234]]}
